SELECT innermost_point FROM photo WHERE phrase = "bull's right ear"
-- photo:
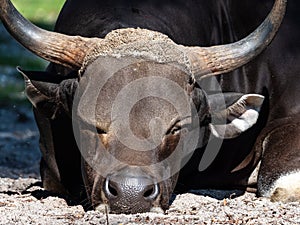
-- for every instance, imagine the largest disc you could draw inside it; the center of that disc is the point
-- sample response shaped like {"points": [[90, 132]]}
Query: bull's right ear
{"points": [[47, 93], [238, 117]]}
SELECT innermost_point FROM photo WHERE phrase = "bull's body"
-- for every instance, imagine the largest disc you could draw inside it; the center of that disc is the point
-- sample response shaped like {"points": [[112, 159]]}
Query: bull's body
{"points": [[274, 74]]}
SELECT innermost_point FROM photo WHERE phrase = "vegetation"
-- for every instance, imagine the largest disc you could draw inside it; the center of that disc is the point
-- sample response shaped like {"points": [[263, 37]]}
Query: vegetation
{"points": [[41, 12]]}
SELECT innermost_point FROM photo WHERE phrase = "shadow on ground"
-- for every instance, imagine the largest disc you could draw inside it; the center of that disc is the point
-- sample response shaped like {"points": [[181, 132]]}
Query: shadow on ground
{"points": [[19, 153]]}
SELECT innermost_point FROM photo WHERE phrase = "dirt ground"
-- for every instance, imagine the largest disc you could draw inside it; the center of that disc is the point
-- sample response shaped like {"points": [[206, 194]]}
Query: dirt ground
{"points": [[23, 201]]}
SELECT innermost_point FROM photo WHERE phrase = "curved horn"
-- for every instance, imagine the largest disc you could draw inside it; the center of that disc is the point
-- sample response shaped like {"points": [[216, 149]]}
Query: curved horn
{"points": [[66, 50], [219, 59]]}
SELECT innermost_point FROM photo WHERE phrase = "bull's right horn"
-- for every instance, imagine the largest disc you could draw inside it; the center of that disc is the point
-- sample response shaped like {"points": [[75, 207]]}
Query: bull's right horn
{"points": [[68, 51]]}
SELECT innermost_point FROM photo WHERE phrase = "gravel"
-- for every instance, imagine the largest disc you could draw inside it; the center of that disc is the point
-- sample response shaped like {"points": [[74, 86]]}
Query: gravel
{"points": [[23, 201]]}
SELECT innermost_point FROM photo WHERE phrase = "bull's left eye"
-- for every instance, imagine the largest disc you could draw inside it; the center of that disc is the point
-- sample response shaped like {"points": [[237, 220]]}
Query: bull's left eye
{"points": [[175, 130]]}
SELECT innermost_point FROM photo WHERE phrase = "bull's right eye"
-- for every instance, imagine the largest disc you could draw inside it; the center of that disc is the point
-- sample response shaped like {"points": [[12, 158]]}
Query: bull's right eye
{"points": [[100, 130]]}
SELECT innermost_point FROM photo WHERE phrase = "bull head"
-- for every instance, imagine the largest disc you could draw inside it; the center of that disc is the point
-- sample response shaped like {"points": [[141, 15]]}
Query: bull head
{"points": [[134, 144]]}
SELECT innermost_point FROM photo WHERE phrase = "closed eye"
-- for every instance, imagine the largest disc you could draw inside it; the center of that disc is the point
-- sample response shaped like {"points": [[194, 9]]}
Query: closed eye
{"points": [[100, 130], [175, 130], [178, 125]]}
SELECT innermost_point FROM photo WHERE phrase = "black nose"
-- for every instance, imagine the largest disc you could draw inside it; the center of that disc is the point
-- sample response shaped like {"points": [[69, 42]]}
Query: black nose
{"points": [[130, 194]]}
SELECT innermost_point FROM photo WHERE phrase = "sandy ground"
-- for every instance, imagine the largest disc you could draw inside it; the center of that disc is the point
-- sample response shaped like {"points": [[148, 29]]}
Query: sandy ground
{"points": [[22, 205], [23, 201]]}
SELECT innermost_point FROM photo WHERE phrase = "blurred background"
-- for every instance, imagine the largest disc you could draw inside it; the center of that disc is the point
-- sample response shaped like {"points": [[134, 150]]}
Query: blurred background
{"points": [[19, 153], [41, 12]]}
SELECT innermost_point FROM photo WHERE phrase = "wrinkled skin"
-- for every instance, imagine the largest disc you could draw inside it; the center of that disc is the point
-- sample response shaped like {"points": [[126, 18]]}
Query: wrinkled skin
{"points": [[269, 75]]}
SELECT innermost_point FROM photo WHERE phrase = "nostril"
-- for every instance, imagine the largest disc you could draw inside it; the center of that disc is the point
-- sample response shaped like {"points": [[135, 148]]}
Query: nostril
{"points": [[151, 192], [110, 188]]}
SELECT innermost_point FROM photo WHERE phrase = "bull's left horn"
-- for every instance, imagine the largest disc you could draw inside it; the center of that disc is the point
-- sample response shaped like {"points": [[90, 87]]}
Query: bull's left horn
{"points": [[225, 58], [66, 50]]}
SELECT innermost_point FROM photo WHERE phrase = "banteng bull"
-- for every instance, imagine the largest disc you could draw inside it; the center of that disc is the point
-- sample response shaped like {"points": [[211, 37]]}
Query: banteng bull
{"points": [[132, 100]]}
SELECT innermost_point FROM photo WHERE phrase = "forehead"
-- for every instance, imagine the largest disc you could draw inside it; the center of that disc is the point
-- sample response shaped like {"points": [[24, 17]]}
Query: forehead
{"points": [[143, 86], [144, 89]]}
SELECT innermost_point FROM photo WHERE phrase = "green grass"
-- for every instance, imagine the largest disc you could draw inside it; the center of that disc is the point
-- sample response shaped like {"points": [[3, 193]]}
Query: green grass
{"points": [[12, 94], [41, 12]]}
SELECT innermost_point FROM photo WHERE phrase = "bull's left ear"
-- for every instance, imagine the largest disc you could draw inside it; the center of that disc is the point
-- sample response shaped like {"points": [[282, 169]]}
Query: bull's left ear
{"points": [[236, 118]]}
